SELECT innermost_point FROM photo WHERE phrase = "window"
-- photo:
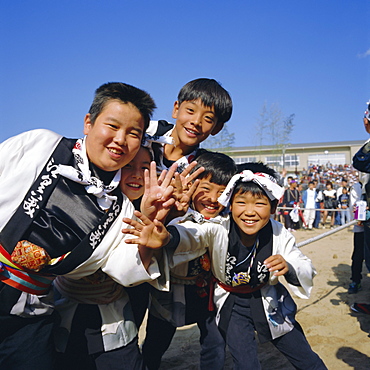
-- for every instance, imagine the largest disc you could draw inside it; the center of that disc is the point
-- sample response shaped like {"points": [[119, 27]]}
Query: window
{"points": [[241, 160], [291, 160], [326, 157]]}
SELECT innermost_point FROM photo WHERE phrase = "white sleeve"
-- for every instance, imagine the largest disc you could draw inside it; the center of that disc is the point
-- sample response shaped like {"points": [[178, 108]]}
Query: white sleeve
{"points": [[22, 158], [284, 244], [193, 241]]}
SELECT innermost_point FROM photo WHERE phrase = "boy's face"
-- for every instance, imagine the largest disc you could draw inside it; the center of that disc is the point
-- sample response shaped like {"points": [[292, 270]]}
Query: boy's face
{"points": [[132, 175], [311, 186], [205, 198], [250, 213], [194, 123], [115, 137]]}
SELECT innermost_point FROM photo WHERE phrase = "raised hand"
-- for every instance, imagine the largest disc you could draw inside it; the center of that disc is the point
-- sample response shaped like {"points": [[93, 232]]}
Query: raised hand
{"points": [[150, 234], [184, 187], [157, 198]]}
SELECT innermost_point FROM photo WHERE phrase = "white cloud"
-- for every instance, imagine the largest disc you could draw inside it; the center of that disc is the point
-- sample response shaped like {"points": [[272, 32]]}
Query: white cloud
{"points": [[364, 55]]}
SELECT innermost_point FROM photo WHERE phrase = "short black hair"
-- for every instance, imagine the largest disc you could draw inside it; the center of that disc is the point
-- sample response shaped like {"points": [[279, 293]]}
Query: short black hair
{"points": [[211, 93], [219, 166], [123, 93], [251, 187]]}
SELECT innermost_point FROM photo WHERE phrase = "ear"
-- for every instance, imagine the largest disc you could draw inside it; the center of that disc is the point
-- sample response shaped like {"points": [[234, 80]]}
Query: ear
{"points": [[218, 127], [175, 110], [87, 124]]}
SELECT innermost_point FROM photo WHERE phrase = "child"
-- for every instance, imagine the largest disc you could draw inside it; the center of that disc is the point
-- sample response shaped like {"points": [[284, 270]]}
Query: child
{"points": [[63, 191], [201, 109], [187, 302], [330, 202], [132, 175], [343, 204], [309, 199], [248, 254]]}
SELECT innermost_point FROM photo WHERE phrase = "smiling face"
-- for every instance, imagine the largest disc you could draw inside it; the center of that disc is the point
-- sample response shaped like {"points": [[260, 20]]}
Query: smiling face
{"points": [[194, 123], [115, 137], [205, 198], [132, 175], [250, 213]]}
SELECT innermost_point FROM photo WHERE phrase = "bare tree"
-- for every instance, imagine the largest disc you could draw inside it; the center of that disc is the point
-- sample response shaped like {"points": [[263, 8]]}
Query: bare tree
{"points": [[223, 140], [272, 128]]}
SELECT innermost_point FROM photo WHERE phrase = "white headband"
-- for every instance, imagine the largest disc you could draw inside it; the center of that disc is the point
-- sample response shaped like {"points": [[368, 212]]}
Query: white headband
{"points": [[263, 180]]}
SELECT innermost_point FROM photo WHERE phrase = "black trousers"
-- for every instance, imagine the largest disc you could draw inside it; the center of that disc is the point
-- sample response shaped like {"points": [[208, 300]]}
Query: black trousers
{"points": [[357, 257], [27, 343]]}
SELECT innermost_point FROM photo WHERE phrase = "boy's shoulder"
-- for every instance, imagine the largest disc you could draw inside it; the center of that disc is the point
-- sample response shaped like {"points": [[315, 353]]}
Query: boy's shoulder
{"points": [[159, 128]]}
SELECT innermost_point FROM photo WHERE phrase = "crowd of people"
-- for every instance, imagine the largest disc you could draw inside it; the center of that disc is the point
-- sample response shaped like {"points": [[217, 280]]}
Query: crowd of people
{"points": [[321, 196]]}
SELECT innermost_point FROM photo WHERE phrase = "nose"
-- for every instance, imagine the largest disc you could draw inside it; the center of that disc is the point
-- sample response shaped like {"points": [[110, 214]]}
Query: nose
{"points": [[137, 173], [120, 138], [213, 196], [196, 120], [249, 210]]}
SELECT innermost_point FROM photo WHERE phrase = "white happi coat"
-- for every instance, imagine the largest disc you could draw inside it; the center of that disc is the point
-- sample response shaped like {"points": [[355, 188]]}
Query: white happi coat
{"points": [[194, 240], [22, 158]]}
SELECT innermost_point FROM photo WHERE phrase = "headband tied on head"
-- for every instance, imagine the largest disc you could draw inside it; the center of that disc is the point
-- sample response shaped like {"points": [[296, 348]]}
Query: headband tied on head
{"points": [[263, 180], [367, 111]]}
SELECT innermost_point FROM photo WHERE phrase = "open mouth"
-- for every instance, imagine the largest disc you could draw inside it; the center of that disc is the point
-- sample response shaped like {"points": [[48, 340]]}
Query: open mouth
{"points": [[249, 222], [191, 132], [115, 152], [134, 186]]}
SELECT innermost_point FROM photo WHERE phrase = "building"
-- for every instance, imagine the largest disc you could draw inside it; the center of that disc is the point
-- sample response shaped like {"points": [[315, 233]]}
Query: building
{"points": [[296, 157]]}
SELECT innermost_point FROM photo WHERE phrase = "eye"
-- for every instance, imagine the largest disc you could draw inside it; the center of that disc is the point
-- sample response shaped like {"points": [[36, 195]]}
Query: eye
{"points": [[209, 119], [127, 166], [135, 134]]}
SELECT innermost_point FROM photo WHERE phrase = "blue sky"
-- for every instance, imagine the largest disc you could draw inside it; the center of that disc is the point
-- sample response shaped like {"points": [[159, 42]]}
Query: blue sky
{"points": [[311, 58]]}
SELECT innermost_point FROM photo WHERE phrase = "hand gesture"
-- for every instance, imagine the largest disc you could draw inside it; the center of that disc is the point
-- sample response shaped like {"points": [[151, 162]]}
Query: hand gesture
{"points": [[151, 234], [277, 264], [157, 198], [184, 187]]}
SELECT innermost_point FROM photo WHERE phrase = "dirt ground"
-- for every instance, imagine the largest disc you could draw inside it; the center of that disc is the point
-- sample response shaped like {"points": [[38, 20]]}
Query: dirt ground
{"points": [[340, 337]]}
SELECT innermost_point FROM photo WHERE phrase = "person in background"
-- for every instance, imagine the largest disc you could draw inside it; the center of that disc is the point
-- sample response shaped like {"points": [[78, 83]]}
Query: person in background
{"points": [[344, 206], [361, 161], [291, 198], [330, 202], [309, 200]]}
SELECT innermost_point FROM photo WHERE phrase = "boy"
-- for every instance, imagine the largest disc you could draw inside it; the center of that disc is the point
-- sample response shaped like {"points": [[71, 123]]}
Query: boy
{"points": [[187, 302], [201, 109], [248, 253], [60, 198], [309, 200], [343, 204]]}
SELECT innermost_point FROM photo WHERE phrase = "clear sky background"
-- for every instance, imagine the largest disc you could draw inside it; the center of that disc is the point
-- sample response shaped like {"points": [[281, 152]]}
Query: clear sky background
{"points": [[309, 57]]}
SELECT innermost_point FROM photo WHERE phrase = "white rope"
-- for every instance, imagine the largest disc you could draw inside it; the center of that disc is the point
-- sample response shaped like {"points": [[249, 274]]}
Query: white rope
{"points": [[318, 237]]}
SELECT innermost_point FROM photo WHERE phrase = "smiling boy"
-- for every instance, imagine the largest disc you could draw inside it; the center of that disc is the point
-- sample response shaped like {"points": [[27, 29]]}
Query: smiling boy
{"points": [[60, 199], [202, 108]]}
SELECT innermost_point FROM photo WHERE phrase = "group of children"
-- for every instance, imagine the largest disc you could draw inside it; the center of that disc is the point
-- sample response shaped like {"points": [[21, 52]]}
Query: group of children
{"points": [[208, 229], [225, 256]]}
